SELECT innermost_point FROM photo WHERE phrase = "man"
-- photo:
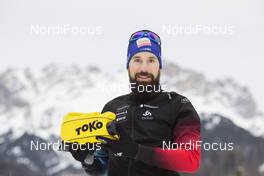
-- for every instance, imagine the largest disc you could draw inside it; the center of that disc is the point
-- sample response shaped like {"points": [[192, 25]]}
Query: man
{"points": [[150, 122]]}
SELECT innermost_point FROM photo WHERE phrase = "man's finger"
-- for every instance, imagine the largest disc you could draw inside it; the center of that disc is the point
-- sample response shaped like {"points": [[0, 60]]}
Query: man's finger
{"points": [[103, 140]]}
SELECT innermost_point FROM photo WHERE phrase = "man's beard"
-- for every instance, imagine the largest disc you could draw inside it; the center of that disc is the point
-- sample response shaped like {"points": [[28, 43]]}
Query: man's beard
{"points": [[145, 87]]}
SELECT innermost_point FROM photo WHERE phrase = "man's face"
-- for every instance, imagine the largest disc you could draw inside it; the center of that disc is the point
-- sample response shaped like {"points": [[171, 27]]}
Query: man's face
{"points": [[144, 68]]}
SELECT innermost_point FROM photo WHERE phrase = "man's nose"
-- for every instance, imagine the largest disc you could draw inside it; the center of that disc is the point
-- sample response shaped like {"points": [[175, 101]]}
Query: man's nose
{"points": [[143, 67]]}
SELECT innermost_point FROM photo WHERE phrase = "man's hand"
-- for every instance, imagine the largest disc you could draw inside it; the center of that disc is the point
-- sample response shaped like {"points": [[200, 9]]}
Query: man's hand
{"points": [[79, 152], [125, 144], [82, 153]]}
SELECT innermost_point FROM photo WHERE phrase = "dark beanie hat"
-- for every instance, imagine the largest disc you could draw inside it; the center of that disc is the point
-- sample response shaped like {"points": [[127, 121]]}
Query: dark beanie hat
{"points": [[144, 41]]}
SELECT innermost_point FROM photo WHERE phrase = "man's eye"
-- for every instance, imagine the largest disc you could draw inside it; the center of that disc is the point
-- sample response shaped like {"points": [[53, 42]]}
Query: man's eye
{"points": [[137, 60], [151, 61]]}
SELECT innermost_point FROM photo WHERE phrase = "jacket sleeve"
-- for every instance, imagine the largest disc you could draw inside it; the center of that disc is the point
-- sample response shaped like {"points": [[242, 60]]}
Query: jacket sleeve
{"points": [[186, 133], [99, 166]]}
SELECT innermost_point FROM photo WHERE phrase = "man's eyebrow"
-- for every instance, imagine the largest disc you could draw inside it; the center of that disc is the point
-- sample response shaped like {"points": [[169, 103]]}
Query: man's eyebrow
{"points": [[152, 57], [136, 57]]}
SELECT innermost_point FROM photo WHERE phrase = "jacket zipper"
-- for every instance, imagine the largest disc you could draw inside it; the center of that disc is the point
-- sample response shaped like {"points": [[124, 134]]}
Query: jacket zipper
{"points": [[132, 136], [132, 124]]}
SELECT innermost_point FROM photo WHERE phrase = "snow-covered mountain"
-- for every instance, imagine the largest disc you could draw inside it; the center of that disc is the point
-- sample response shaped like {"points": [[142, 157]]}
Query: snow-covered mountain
{"points": [[224, 97], [34, 100]]}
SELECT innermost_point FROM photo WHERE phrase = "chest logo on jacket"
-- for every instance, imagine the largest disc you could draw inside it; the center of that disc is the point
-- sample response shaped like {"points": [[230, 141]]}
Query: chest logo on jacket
{"points": [[147, 115]]}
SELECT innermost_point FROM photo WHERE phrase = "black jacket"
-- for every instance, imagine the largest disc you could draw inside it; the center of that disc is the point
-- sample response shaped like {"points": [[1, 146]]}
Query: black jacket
{"points": [[149, 120]]}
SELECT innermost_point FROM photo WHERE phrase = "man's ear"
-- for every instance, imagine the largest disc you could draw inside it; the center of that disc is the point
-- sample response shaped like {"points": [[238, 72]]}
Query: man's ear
{"points": [[128, 72]]}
